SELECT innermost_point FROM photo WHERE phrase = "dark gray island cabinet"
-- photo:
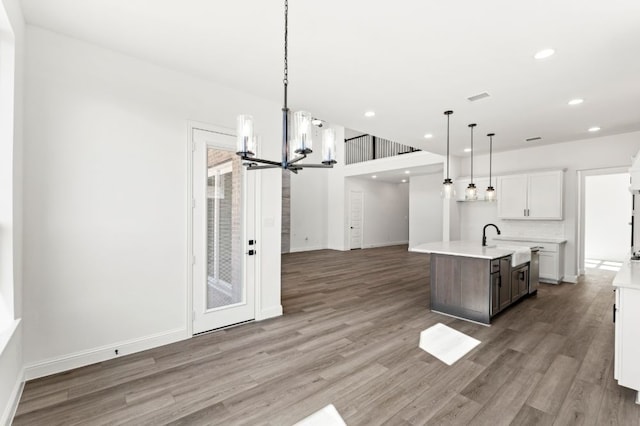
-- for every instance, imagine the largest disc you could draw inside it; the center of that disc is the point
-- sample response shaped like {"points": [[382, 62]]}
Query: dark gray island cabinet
{"points": [[472, 282]]}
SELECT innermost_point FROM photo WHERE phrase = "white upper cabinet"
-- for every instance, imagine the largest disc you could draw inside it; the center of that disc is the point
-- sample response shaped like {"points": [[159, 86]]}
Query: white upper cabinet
{"points": [[536, 196]]}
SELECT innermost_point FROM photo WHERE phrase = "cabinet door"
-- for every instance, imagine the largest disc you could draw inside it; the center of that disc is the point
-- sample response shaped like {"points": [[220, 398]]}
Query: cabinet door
{"points": [[495, 293], [523, 280], [548, 268], [512, 197], [629, 318], [545, 195], [505, 282], [515, 284]]}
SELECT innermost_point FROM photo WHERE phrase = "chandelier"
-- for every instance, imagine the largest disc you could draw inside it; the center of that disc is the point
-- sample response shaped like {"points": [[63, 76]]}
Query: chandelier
{"points": [[297, 129]]}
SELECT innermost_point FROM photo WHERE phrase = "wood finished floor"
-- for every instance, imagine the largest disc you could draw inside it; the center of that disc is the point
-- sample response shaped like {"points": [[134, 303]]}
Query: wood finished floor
{"points": [[349, 337]]}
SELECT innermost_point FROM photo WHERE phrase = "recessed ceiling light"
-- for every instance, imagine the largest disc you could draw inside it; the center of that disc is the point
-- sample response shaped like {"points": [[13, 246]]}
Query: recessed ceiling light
{"points": [[406, 172], [545, 53], [428, 136], [467, 150], [594, 129], [370, 114], [576, 101], [404, 180], [374, 176]]}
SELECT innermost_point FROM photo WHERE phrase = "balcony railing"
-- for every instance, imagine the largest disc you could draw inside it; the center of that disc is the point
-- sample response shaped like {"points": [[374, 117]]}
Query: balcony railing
{"points": [[367, 147]]}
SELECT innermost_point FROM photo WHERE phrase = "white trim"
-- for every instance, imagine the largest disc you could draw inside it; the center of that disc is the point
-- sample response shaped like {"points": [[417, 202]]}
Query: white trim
{"points": [[271, 312], [12, 406], [387, 244], [573, 279], [305, 248], [191, 127], [580, 223], [7, 334], [103, 353]]}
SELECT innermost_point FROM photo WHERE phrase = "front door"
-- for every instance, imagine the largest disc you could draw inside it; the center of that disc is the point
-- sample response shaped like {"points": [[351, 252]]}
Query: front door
{"points": [[223, 225]]}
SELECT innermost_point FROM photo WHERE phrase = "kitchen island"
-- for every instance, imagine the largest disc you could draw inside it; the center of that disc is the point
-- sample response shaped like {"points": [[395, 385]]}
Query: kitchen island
{"points": [[473, 282]]}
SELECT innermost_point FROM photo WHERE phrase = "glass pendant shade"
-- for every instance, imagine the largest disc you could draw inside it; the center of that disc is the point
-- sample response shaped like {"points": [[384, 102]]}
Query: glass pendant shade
{"points": [[490, 194], [448, 191], [302, 131], [245, 136], [328, 146], [471, 193]]}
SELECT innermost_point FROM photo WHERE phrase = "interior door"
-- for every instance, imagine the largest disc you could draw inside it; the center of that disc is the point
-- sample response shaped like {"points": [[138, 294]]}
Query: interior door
{"points": [[223, 228], [356, 211]]}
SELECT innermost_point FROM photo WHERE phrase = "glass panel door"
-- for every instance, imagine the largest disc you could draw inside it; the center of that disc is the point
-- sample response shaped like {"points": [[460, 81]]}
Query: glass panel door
{"points": [[224, 275], [223, 215]]}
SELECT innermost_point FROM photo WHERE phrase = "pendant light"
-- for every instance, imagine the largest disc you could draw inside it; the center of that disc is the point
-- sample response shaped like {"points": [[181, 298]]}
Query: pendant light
{"points": [[447, 185], [490, 193], [471, 193], [299, 141]]}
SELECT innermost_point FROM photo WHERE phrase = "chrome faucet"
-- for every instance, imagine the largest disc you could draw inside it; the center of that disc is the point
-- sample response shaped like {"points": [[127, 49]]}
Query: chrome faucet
{"points": [[484, 233]]}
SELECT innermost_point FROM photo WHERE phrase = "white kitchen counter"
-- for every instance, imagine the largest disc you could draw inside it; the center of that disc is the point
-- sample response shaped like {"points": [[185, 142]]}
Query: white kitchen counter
{"points": [[530, 239], [462, 248], [628, 276]]}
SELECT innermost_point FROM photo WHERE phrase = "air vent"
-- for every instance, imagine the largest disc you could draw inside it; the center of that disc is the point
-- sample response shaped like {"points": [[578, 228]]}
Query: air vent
{"points": [[537, 138], [478, 97]]}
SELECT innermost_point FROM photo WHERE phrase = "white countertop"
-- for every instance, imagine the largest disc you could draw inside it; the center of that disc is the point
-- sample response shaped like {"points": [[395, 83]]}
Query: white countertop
{"points": [[530, 239], [462, 248], [628, 276]]}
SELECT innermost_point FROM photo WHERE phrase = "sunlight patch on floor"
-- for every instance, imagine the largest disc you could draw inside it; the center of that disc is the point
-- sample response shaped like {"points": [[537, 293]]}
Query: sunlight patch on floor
{"points": [[607, 265]]}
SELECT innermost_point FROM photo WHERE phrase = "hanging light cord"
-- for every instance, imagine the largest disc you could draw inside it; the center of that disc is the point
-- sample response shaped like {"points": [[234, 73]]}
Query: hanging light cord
{"points": [[285, 80], [490, 155], [472, 126]]}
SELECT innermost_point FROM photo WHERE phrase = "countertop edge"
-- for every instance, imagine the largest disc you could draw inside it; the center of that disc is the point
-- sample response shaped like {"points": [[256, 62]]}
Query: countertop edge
{"points": [[625, 277], [530, 239]]}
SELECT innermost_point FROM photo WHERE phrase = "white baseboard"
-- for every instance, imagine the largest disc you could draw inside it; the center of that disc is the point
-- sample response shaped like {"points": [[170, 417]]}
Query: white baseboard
{"points": [[274, 311], [306, 248], [11, 408], [573, 279], [387, 244], [91, 356]]}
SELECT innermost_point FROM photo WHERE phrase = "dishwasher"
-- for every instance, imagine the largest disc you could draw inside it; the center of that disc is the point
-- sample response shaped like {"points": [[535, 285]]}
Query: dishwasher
{"points": [[534, 270]]}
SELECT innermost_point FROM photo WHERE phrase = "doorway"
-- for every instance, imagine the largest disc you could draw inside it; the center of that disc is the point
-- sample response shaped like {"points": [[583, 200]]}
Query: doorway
{"points": [[222, 233], [356, 214], [605, 226]]}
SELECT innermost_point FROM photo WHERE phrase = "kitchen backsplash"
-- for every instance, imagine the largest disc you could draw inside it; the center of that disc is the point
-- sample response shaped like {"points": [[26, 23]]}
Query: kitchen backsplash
{"points": [[532, 228], [473, 217]]}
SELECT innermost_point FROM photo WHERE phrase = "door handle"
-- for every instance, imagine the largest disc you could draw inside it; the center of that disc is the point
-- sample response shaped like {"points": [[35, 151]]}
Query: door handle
{"points": [[251, 252]]}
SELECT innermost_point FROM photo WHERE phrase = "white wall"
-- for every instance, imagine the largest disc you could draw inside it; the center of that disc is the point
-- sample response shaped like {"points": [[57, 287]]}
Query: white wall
{"points": [[588, 154], [310, 202], [339, 195], [425, 209], [11, 146], [386, 211], [607, 216], [106, 200]]}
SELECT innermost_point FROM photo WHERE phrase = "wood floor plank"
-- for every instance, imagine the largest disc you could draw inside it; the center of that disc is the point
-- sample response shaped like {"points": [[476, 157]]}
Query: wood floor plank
{"points": [[349, 337], [582, 404], [552, 389]]}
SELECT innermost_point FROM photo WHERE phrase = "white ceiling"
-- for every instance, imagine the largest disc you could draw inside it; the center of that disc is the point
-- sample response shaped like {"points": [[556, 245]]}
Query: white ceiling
{"points": [[408, 60], [397, 176]]}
